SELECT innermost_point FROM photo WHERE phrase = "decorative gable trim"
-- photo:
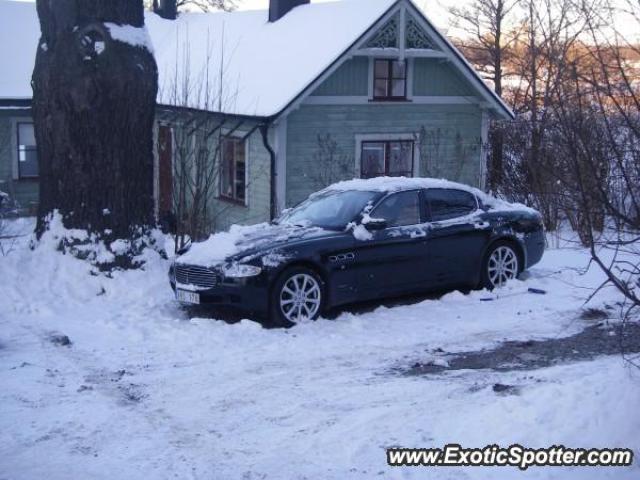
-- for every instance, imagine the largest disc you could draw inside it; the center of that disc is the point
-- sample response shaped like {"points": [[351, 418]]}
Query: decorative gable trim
{"points": [[387, 36], [415, 37], [401, 36], [440, 48]]}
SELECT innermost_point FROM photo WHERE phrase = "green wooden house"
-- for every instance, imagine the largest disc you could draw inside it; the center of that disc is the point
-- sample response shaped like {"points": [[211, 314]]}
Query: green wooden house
{"points": [[290, 99]]}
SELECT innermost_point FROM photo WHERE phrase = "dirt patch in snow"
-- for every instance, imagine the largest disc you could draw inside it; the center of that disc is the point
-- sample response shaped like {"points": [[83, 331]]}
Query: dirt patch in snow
{"points": [[60, 340], [593, 341]]}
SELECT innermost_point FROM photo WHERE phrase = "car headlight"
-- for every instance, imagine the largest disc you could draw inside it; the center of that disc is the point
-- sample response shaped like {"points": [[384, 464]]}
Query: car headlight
{"points": [[238, 270]]}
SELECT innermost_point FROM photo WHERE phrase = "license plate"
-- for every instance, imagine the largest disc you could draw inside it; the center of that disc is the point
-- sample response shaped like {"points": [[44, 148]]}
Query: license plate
{"points": [[187, 297]]}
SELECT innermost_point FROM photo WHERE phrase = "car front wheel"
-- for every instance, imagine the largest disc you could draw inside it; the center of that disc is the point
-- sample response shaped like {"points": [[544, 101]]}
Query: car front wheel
{"points": [[500, 265], [296, 297]]}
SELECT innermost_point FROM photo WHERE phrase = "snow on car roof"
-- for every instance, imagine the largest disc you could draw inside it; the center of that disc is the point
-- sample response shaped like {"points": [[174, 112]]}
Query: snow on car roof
{"points": [[387, 184], [392, 184], [264, 65]]}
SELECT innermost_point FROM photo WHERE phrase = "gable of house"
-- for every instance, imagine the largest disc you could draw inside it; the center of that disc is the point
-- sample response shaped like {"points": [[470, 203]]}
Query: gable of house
{"points": [[344, 125], [437, 67]]}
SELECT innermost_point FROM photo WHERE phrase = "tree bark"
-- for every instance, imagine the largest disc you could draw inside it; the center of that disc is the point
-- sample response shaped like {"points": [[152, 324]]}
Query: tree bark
{"points": [[93, 106]]}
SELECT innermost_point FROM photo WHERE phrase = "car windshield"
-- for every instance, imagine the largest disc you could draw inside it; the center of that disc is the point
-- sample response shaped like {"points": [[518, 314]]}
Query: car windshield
{"points": [[332, 210]]}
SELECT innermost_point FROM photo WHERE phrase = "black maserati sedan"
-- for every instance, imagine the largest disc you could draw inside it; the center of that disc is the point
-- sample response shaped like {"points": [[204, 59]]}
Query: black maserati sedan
{"points": [[360, 240]]}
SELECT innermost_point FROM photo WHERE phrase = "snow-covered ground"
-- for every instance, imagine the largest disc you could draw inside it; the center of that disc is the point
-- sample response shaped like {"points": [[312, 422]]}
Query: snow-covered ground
{"points": [[145, 392]]}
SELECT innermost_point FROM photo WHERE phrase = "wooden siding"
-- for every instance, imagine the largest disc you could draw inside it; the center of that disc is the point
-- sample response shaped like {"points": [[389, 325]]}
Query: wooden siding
{"points": [[351, 79], [435, 77], [223, 213], [258, 205], [451, 145], [430, 77]]}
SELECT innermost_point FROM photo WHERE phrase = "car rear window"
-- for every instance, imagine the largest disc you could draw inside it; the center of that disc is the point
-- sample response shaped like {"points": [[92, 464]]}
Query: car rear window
{"points": [[445, 203]]}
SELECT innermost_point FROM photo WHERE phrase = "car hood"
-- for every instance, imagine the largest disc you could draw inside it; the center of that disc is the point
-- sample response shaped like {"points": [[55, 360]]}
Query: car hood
{"points": [[241, 242]]}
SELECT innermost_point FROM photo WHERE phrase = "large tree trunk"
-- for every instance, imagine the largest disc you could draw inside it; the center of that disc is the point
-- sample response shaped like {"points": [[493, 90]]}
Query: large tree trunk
{"points": [[94, 91]]}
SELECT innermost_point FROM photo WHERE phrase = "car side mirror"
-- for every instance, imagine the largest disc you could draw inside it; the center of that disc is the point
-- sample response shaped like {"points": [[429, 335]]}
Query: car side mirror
{"points": [[375, 224]]}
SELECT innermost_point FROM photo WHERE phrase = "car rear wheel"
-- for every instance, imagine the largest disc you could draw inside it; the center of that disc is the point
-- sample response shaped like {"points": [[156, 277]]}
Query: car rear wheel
{"points": [[500, 265], [298, 296]]}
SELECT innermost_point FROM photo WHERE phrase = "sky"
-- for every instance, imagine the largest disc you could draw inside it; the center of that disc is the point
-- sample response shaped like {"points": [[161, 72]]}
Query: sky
{"points": [[437, 12]]}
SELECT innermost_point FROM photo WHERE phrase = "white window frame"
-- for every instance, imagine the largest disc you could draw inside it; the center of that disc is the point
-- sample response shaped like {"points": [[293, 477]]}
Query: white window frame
{"points": [[408, 79], [386, 137], [237, 135], [13, 144]]}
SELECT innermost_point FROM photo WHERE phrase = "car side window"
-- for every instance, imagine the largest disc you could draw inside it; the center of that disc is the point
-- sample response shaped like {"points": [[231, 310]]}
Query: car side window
{"points": [[399, 209], [446, 203]]}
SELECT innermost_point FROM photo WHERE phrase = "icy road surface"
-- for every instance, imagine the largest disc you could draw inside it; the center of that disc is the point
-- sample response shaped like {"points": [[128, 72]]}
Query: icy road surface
{"points": [[145, 392]]}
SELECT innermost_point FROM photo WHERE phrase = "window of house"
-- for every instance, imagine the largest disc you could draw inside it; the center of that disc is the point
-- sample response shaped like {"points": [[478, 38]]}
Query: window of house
{"points": [[400, 209], [390, 79], [27, 152], [233, 181], [392, 158], [446, 204]]}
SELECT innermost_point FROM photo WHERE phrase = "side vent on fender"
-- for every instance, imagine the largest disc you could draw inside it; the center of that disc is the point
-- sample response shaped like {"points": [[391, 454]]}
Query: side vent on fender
{"points": [[343, 257]]}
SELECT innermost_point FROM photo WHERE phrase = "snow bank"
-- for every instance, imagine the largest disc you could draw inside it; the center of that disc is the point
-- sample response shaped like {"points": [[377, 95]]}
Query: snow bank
{"points": [[145, 391], [92, 247]]}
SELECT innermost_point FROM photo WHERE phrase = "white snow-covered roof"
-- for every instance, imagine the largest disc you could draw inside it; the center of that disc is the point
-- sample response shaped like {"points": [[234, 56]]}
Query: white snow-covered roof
{"points": [[264, 65], [236, 63]]}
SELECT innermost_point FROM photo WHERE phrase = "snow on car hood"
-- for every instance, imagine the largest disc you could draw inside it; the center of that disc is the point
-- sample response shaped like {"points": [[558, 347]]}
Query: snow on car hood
{"points": [[245, 240]]}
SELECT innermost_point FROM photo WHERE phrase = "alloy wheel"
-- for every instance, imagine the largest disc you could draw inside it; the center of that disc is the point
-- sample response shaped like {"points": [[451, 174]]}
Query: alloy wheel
{"points": [[300, 298], [502, 266]]}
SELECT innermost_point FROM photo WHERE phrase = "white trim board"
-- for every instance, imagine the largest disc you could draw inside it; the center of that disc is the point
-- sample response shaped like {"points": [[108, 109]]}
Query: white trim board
{"points": [[484, 139], [395, 53], [280, 133], [420, 100], [238, 133], [13, 145]]}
